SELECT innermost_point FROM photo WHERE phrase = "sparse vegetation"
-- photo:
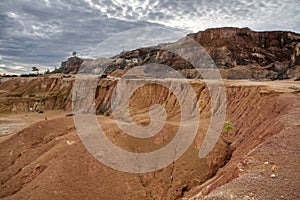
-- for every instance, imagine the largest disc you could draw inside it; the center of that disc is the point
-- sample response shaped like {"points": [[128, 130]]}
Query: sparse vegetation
{"points": [[41, 103], [35, 69], [19, 95], [31, 95], [28, 75], [59, 70], [47, 71], [228, 127], [8, 75]]}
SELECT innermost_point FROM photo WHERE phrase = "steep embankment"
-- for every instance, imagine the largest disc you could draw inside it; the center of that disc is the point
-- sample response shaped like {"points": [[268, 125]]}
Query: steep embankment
{"points": [[38, 93], [47, 160]]}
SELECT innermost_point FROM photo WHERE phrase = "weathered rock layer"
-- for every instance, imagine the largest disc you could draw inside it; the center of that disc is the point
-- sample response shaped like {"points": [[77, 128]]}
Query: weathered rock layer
{"points": [[266, 55]]}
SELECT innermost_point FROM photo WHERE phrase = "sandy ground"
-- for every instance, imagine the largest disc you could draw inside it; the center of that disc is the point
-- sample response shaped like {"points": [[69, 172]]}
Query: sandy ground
{"points": [[11, 123], [278, 86]]}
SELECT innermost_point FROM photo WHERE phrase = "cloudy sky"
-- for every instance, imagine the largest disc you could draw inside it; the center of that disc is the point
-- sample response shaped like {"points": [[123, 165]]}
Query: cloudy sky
{"points": [[43, 33]]}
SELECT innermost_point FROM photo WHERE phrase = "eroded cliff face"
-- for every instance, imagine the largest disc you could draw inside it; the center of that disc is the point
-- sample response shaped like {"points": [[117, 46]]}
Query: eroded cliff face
{"points": [[39, 93], [244, 47], [49, 157], [266, 55]]}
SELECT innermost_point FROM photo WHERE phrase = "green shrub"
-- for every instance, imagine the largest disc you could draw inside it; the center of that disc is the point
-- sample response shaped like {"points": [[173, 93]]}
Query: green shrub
{"points": [[8, 75], [228, 127], [28, 75]]}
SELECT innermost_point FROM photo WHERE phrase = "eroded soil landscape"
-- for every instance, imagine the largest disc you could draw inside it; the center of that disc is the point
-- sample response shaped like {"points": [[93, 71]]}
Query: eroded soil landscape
{"points": [[42, 156]]}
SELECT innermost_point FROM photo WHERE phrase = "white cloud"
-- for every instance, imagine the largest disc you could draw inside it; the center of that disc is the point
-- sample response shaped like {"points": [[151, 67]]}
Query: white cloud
{"points": [[197, 15], [17, 67], [31, 27], [133, 39], [46, 32], [13, 15]]}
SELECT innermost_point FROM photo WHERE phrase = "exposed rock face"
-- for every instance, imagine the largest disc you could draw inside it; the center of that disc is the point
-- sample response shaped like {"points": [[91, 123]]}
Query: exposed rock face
{"points": [[273, 53], [233, 46], [45, 93], [295, 60], [71, 66]]}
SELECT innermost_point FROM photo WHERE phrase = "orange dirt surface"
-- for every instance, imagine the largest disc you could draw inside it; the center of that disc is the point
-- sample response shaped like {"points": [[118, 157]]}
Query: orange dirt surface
{"points": [[14, 122], [258, 159]]}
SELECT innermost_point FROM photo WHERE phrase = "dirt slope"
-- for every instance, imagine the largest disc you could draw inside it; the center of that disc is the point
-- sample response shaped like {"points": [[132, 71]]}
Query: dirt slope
{"points": [[48, 161], [44, 92]]}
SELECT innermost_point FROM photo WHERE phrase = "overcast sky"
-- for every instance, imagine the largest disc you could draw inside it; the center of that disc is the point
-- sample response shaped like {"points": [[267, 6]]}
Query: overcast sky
{"points": [[43, 33]]}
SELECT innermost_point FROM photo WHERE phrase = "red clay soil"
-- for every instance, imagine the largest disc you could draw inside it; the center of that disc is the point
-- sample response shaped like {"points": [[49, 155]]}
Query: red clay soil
{"points": [[21, 94], [48, 161], [270, 171]]}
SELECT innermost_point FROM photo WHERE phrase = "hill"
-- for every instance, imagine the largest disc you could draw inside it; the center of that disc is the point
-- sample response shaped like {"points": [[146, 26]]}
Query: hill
{"points": [[239, 53]]}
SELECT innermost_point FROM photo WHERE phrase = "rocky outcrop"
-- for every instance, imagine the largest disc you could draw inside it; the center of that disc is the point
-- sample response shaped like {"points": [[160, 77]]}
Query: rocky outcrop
{"points": [[273, 53], [71, 66], [233, 46]]}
